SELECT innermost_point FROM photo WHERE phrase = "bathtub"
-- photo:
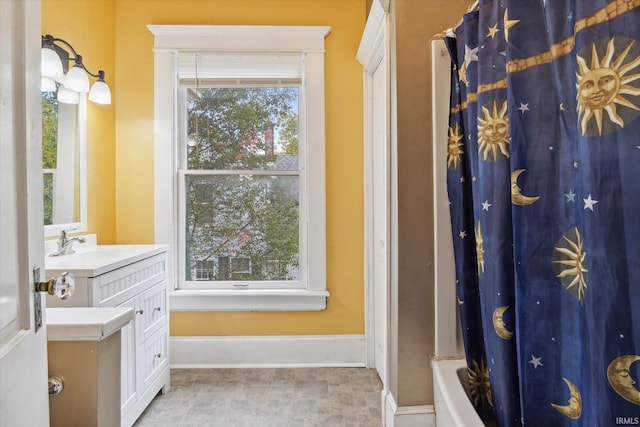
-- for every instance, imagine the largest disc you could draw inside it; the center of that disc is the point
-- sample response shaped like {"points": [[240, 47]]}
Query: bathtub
{"points": [[451, 395], [451, 401]]}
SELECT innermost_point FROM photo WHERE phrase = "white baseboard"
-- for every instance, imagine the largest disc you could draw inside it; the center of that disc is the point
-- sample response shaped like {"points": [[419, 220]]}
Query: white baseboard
{"points": [[268, 351], [407, 416]]}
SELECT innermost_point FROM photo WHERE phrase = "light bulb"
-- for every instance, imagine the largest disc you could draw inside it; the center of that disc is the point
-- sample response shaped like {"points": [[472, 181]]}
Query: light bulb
{"points": [[67, 96], [77, 79], [50, 63], [47, 84], [100, 93]]}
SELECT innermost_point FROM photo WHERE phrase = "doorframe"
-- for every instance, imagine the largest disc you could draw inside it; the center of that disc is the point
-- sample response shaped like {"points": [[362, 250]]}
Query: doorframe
{"points": [[373, 49]]}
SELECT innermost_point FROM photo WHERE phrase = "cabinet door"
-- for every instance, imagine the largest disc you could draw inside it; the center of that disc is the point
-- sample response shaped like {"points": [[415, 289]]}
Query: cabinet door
{"points": [[152, 335], [128, 360], [154, 311]]}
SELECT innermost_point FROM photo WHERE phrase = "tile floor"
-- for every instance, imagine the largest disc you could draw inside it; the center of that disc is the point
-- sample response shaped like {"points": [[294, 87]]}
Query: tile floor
{"points": [[274, 397]]}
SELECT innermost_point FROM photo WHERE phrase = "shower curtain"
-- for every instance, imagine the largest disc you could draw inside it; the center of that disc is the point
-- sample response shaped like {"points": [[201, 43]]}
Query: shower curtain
{"points": [[544, 189]]}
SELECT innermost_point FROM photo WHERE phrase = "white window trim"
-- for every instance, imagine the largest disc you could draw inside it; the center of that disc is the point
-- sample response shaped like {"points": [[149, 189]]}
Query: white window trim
{"points": [[170, 39]]}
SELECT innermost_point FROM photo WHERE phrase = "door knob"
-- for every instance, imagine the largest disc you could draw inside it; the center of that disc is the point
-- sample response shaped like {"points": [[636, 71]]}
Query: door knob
{"points": [[61, 286], [56, 385]]}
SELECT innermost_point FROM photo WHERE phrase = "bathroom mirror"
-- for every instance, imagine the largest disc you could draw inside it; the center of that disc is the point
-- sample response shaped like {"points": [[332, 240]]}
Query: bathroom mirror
{"points": [[64, 136]]}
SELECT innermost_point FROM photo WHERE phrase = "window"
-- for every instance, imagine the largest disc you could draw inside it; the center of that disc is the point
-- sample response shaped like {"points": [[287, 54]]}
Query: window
{"points": [[240, 143], [239, 187]]}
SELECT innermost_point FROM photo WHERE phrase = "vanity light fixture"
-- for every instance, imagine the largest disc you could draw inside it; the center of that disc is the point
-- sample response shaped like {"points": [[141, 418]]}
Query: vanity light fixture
{"points": [[55, 59]]}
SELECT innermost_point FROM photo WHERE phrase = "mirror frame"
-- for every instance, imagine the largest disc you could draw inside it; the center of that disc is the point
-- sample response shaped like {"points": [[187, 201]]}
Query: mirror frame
{"points": [[81, 225]]}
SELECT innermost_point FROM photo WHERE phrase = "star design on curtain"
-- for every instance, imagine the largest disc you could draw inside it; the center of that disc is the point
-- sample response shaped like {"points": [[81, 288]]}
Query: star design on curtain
{"points": [[523, 107], [508, 23], [493, 31], [589, 203], [470, 54], [571, 196], [536, 361]]}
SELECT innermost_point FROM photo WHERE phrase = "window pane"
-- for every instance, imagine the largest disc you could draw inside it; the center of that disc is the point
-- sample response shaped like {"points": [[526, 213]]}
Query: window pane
{"points": [[241, 227], [47, 193], [49, 130], [243, 128], [49, 150]]}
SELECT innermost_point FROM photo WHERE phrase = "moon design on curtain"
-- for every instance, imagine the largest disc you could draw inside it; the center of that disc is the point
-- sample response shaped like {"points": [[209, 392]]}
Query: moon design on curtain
{"points": [[517, 197], [493, 132], [499, 325], [602, 84], [573, 409], [621, 381], [569, 263]]}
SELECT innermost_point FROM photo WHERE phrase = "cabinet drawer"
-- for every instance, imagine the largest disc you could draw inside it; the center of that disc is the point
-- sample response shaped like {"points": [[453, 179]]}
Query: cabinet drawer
{"points": [[117, 286], [154, 357], [154, 310]]}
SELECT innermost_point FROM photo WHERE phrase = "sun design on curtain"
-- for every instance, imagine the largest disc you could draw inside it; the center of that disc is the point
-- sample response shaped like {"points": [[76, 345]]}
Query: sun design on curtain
{"points": [[493, 133], [479, 384], [454, 148], [601, 86], [570, 263]]}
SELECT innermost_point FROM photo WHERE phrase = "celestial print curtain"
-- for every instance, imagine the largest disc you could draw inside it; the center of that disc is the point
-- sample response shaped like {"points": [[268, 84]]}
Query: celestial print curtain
{"points": [[544, 189], [458, 171]]}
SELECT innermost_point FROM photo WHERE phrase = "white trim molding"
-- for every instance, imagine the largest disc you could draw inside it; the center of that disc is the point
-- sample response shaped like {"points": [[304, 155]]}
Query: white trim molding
{"points": [[236, 38], [267, 351], [171, 40], [371, 47], [248, 300], [406, 416], [373, 54]]}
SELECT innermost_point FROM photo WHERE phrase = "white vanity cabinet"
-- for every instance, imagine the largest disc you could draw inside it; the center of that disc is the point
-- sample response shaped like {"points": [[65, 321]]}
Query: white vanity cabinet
{"points": [[126, 276]]}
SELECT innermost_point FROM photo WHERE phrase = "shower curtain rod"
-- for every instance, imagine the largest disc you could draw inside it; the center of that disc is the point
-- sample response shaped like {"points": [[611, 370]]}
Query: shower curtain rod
{"points": [[450, 32]]}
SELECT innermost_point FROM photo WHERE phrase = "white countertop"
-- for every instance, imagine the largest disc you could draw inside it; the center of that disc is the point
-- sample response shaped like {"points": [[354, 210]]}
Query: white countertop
{"points": [[86, 323], [93, 260]]}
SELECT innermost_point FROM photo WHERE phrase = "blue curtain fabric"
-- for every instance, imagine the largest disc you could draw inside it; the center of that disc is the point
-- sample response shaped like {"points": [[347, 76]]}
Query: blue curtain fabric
{"points": [[544, 189]]}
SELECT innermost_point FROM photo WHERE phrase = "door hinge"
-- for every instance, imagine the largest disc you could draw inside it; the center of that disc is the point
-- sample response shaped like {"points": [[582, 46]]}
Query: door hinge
{"points": [[37, 297]]}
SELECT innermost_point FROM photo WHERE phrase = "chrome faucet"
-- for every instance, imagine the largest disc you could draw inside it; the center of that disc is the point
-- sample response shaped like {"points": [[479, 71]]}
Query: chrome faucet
{"points": [[65, 244]]}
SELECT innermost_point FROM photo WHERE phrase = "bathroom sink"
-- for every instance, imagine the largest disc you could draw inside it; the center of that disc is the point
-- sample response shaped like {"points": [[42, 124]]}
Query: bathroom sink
{"points": [[93, 260]]}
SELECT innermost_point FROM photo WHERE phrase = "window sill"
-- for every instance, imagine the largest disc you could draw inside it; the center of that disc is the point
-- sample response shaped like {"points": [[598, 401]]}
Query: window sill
{"points": [[247, 300]]}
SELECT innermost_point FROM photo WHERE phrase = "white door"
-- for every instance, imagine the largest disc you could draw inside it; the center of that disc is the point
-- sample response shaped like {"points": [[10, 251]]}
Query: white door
{"points": [[381, 211], [24, 399]]}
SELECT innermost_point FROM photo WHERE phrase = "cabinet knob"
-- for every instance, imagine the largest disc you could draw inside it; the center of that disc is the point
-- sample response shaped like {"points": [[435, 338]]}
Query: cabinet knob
{"points": [[158, 355], [140, 311], [157, 309]]}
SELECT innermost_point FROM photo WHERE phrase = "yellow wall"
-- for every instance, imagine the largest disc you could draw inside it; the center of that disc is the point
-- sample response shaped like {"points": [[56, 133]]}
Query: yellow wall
{"points": [[89, 26], [112, 34]]}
